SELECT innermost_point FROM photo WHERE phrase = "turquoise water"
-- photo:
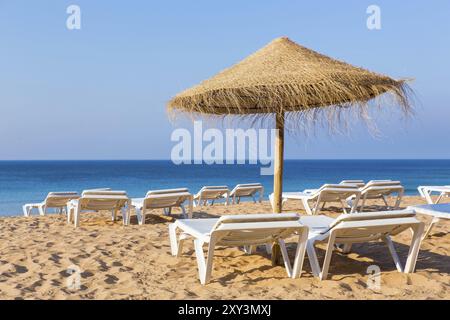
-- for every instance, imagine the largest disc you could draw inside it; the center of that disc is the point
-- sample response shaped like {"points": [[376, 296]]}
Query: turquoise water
{"points": [[30, 181]]}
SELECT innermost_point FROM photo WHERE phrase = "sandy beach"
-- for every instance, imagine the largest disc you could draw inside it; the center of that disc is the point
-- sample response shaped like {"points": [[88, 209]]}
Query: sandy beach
{"points": [[134, 262]]}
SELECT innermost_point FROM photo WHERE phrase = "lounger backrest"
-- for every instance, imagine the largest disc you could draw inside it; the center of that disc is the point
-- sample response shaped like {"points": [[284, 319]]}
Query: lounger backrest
{"points": [[243, 185], [247, 189], [103, 200], [372, 225], [378, 183], [333, 192], [104, 192], [60, 199], [161, 200], [97, 189], [167, 191], [255, 229], [380, 188], [212, 192]]}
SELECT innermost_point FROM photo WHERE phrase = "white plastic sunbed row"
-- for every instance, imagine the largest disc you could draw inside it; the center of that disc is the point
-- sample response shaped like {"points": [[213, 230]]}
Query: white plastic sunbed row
{"points": [[106, 199], [271, 230], [213, 193], [351, 194]]}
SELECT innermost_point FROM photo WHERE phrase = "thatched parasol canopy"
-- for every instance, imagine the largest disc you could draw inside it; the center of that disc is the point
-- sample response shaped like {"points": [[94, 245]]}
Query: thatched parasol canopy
{"points": [[286, 77]]}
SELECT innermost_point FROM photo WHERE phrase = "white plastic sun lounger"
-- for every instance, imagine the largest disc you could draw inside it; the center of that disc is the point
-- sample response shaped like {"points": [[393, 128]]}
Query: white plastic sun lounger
{"points": [[211, 193], [96, 200], [316, 200], [358, 228], [439, 212], [379, 189], [239, 230], [164, 199], [54, 200], [427, 191], [247, 190]]}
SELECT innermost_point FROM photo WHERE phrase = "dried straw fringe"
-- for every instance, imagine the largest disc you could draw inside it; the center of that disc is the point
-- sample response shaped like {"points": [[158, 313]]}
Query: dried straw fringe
{"points": [[335, 118]]}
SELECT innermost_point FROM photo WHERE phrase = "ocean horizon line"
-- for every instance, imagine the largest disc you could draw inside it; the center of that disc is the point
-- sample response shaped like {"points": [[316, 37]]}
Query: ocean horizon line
{"points": [[246, 160]]}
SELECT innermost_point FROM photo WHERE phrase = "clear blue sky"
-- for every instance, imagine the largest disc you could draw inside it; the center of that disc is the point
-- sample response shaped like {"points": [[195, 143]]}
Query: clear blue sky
{"points": [[100, 92]]}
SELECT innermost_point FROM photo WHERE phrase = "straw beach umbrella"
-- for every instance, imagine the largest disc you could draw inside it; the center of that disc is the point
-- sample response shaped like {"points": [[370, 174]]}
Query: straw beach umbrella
{"points": [[292, 84]]}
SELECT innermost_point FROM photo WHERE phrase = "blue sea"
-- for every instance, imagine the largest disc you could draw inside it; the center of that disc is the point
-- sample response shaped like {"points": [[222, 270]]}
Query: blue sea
{"points": [[29, 181]]}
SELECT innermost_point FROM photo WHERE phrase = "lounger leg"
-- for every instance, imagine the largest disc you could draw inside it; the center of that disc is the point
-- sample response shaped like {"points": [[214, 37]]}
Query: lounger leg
{"points": [[113, 214], [354, 205], [227, 199], [190, 208], [350, 202], [346, 248], [181, 239], [328, 254], [69, 214], [385, 201], [440, 197], [167, 211], [249, 249], [183, 211], [76, 216], [138, 212], [173, 239], [125, 212], [414, 248], [300, 254], [306, 206], [42, 209], [128, 213], [198, 245], [268, 248], [427, 195], [399, 200], [394, 254], [316, 209], [271, 200], [312, 257], [284, 254], [432, 224], [204, 267], [362, 204], [27, 210], [343, 206]]}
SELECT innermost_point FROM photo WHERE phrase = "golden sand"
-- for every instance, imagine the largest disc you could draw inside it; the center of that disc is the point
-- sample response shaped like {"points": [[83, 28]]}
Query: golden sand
{"points": [[134, 262]]}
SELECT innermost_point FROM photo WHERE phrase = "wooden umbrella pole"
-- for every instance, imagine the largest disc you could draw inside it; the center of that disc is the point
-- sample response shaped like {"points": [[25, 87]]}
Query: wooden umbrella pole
{"points": [[278, 165]]}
